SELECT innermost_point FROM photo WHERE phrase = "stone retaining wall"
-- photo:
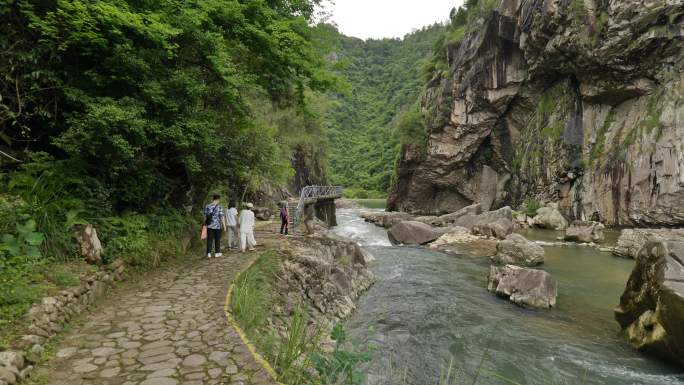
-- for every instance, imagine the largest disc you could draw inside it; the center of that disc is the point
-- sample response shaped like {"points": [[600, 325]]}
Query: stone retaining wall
{"points": [[47, 317]]}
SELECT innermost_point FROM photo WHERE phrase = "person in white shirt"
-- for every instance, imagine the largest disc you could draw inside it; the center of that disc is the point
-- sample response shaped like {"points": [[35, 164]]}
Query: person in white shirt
{"points": [[246, 222], [231, 226]]}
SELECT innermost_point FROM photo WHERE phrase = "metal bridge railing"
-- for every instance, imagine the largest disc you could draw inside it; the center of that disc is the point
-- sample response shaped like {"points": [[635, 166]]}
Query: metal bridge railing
{"points": [[310, 194]]}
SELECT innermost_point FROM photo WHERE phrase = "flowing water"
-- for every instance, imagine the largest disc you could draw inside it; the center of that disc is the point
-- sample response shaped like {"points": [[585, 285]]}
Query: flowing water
{"points": [[428, 311]]}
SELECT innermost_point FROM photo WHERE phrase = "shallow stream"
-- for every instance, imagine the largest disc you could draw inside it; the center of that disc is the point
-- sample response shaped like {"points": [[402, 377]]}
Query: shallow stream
{"points": [[429, 311]]}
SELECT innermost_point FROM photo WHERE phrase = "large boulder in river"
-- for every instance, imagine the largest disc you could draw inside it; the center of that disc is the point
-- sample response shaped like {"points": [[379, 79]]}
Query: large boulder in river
{"points": [[412, 233], [497, 228], [452, 219], [385, 219], [550, 218], [522, 286], [517, 250], [651, 310], [631, 241], [585, 231], [496, 224]]}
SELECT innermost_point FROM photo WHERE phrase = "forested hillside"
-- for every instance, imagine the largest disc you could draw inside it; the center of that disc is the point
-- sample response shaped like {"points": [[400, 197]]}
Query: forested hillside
{"points": [[385, 77], [126, 114]]}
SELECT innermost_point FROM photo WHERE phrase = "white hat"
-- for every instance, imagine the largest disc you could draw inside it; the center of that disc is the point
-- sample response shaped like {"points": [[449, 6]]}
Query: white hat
{"points": [[249, 205]]}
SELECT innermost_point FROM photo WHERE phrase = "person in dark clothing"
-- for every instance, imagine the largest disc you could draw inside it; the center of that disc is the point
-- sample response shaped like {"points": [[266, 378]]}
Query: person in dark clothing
{"points": [[215, 220], [284, 218]]}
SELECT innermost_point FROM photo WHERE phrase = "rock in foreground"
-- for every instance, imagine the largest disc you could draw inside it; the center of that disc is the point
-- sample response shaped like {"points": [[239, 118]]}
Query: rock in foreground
{"points": [[325, 274], [524, 287], [633, 240], [412, 233], [517, 250], [651, 310]]}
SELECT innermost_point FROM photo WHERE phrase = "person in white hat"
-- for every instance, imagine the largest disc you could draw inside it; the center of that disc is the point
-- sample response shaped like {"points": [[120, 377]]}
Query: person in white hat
{"points": [[246, 222]]}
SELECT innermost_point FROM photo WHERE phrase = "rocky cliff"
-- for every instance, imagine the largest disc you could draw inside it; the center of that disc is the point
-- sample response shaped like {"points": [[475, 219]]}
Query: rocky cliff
{"points": [[570, 101]]}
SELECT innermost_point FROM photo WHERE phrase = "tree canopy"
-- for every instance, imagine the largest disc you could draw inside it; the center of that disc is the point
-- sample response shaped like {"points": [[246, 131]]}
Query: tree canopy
{"points": [[151, 98]]}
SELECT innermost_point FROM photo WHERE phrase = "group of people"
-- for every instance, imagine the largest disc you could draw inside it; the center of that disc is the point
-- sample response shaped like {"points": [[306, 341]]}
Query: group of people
{"points": [[240, 227]]}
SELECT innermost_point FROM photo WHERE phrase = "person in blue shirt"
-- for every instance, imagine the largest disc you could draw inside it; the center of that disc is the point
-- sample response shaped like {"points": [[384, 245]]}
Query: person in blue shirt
{"points": [[215, 220]]}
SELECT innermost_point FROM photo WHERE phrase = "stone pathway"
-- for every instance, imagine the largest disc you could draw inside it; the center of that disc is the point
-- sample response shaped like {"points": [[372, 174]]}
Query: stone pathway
{"points": [[170, 329]]}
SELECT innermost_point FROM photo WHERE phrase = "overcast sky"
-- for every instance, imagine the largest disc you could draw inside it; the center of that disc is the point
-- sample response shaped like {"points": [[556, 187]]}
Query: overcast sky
{"points": [[387, 18]]}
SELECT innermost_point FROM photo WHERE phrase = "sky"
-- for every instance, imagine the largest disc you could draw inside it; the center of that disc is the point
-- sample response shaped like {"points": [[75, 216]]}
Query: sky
{"points": [[387, 18]]}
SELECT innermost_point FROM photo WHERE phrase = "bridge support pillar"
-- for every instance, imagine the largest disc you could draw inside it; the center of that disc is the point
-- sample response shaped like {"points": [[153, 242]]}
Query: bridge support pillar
{"points": [[325, 211]]}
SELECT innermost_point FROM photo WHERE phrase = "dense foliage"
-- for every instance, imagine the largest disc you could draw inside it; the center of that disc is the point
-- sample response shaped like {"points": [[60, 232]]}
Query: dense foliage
{"points": [[149, 98], [385, 80], [127, 113]]}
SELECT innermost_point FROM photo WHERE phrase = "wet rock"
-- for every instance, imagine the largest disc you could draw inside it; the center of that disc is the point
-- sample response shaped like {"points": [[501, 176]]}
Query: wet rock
{"points": [[412, 233], [550, 218], [651, 310], [585, 231], [91, 248], [522, 286], [631, 241], [517, 250]]}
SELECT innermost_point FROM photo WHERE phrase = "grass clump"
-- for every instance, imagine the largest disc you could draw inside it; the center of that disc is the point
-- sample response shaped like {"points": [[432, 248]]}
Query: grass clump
{"points": [[531, 207], [297, 356], [253, 293]]}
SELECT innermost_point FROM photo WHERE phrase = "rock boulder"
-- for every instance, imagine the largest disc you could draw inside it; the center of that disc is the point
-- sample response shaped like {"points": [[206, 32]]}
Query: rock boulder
{"points": [[385, 219], [632, 240], [412, 233], [91, 247], [262, 213], [517, 250], [651, 310], [585, 231], [550, 218], [524, 287]]}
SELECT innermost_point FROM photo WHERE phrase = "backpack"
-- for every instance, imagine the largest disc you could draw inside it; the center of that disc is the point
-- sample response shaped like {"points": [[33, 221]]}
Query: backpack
{"points": [[210, 217]]}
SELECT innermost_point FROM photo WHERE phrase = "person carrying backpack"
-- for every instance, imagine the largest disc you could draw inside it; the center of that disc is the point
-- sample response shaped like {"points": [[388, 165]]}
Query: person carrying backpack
{"points": [[215, 221]]}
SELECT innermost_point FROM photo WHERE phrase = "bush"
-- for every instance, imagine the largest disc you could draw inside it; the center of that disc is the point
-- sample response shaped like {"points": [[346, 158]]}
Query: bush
{"points": [[531, 208], [19, 286], [55, 198]]}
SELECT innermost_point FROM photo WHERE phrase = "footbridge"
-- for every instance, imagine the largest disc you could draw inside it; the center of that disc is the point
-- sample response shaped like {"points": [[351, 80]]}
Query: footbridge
{"points": [[316, 201]]}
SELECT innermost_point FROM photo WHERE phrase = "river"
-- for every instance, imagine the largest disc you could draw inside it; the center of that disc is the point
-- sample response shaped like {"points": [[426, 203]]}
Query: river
{"points": [[429, 312]]}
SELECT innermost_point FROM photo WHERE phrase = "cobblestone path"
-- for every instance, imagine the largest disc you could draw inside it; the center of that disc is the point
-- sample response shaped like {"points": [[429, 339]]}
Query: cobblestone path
{"points": [[170, 329]]}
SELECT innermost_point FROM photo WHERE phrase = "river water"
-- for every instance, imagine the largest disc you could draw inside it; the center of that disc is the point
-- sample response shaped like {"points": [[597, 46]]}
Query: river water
{"points": [[429, 312]]}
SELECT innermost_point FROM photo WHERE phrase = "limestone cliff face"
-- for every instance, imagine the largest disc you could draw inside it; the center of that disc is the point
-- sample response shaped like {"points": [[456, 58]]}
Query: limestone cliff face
{"points": [[570, 101]]}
